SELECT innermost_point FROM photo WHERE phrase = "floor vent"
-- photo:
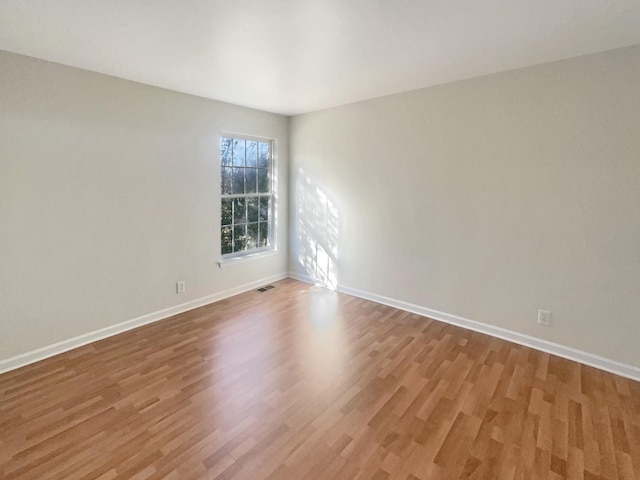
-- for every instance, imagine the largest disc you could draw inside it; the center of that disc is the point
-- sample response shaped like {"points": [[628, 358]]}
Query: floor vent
{"points": [[264, 289]]}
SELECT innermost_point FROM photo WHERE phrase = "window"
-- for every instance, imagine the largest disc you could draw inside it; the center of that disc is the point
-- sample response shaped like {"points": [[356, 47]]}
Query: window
{"points": [[246, 195]]}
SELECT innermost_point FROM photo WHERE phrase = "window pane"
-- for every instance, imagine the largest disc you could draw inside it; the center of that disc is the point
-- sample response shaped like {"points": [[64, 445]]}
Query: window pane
{"points": [[263, 155], [252, 154], [238, 153], [250, 181], [239, 210], [263, 240], [252, 209], [227, 239], [252, 235], [226, 213], [238, 180], [263, 180], [239, 237], [226, 181], [264, 209], [225, 151], [245, 173]]}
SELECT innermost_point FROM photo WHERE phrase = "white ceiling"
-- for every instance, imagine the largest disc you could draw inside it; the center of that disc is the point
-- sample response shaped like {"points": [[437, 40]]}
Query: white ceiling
{"points": [[294, 56]]}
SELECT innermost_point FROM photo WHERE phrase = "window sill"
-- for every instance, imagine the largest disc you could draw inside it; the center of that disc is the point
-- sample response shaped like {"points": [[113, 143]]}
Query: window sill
{"points": [[227, 262]]}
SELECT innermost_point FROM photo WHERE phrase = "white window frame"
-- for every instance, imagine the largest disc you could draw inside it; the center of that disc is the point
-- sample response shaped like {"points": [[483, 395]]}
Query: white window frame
{"points": [[259, 252]]}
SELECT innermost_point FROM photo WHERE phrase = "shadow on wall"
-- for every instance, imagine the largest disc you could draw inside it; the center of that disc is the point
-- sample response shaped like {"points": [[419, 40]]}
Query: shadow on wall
{"points": [[318, 222]]}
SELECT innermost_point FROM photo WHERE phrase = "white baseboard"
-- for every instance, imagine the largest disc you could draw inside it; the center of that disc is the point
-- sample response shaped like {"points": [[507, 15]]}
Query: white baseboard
{"points": [[66, 345], [301, 277], [570, 353], [612, 366]]}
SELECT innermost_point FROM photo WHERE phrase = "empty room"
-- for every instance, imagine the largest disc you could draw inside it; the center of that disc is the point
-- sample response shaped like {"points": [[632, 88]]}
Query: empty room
{"points": [[261, 240]]}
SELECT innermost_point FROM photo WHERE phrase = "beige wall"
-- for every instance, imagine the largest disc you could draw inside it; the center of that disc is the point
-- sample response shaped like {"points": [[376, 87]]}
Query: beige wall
{"points": [[487, 199], [109, 195]]}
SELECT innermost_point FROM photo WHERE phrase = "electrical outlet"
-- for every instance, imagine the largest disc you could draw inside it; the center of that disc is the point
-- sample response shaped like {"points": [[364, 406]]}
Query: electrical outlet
{"points": [[181, 287], [544, 318]]}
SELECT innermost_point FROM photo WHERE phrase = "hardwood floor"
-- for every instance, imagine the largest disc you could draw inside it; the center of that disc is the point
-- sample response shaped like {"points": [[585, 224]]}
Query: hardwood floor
{"points": [[303, 383]]}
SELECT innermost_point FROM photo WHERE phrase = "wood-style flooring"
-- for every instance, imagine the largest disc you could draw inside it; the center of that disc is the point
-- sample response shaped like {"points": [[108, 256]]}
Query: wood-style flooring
{"points": [[304, 383]]}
